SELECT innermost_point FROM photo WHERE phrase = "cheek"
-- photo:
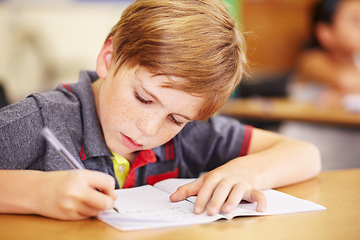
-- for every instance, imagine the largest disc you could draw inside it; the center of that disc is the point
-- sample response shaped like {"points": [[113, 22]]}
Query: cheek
{"points": [[115, 111], [351, 44], [168, 132], [349, 40]]}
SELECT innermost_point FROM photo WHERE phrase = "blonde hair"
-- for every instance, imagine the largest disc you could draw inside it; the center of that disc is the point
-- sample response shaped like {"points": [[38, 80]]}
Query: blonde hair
{"points": [[197, 40]]}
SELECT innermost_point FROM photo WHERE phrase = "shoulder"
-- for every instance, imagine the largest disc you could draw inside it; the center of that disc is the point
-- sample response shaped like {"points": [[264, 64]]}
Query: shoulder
{"points": [[39, 109], [68, 96], [216, 124], [217, 131], [203, 146], [25, 109]]}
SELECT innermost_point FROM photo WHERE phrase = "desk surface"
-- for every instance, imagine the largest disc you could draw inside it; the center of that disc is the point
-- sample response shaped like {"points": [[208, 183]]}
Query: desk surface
{"points": [[279, 109], [338, 191]]}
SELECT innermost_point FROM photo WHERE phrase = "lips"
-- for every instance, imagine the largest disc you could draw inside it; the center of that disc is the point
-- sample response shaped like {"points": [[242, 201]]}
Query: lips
{"points": [[131, 144]]}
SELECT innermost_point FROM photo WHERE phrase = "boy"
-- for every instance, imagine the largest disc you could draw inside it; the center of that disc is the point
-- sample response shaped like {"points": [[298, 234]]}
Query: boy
{"points": [[164, 64]]}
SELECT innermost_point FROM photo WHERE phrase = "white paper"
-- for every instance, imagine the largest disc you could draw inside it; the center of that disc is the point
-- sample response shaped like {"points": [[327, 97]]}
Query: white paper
{"points": [[149, 207]]}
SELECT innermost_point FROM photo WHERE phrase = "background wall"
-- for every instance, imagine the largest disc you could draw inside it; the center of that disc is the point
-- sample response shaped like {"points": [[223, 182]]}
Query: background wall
{"points": [[276, 30], [44, 43]]}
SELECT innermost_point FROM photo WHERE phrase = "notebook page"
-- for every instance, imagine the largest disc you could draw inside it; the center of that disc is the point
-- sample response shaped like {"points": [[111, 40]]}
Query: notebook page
{"points": [[277, 203], [148, 207]]}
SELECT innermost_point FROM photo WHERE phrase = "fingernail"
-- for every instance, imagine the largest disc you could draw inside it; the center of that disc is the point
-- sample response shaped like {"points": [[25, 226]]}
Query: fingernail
{"points": [[227, 208], [173, 198], [197, 210], [211, 211], [261, 209]]}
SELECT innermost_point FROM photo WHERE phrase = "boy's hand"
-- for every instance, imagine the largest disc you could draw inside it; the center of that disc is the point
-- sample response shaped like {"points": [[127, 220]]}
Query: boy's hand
{"points": [[74, 194], [221, 190]]}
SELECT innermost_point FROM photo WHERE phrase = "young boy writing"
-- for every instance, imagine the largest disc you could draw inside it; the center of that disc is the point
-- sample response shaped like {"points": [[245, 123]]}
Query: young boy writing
{"points": [[165, 68]]}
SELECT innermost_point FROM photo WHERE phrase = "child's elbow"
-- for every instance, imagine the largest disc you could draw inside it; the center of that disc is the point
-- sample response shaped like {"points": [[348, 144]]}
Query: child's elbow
{"points": [[314, 159]]}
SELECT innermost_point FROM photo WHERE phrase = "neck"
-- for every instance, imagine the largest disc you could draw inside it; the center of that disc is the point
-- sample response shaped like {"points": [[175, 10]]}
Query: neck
{"points": [[96, 87], [131, 157]]}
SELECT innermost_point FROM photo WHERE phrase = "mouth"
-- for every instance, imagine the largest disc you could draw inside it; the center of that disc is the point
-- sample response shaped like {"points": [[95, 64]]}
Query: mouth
{"points": [[130, 143]]}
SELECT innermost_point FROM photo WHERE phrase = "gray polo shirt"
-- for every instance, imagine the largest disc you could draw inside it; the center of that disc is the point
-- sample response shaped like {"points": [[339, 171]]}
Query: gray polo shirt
{"points": [[69, 111]]}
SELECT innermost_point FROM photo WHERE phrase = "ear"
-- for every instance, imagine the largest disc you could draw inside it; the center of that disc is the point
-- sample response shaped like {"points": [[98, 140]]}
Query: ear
{"points": [[324, 35], [104, 58]]}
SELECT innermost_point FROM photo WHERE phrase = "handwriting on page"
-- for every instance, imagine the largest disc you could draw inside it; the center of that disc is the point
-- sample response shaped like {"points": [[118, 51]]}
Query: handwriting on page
{"points": [[153, 204], [148, 207], [174, 213]]}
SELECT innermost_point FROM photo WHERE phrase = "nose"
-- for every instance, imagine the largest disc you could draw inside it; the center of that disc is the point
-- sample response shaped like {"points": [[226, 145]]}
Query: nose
{"points": [[150, 126]]}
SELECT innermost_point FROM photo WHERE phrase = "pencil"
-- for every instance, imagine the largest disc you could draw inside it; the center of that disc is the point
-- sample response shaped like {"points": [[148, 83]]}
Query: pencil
{"points": [[49, 135]]}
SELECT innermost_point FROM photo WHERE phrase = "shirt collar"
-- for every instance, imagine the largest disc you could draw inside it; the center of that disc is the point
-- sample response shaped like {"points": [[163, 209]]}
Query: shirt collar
{"points": [[93, 140]]}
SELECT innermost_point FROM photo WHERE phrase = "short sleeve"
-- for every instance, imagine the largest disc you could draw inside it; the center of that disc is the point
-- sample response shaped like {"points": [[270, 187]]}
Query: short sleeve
{"points": [[207, 145], [21, 143]]}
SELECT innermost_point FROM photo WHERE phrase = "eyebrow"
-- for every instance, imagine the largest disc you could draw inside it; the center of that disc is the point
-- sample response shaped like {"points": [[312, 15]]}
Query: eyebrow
{"points": [[161, 104]]}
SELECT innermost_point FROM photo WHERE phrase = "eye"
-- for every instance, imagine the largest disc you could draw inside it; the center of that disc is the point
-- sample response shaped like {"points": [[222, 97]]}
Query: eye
{"points": [[173, 119], [141, 99]]}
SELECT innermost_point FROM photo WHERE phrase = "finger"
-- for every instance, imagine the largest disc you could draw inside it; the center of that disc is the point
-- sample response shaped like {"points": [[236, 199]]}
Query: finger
{"points": [[204, 195], [100, 192], [185, 191], [97, 200], [86, 211], [261, 201], [67, 216], [258, 196], [218, 198], [75, 210], [235, 197], [101, 181]]}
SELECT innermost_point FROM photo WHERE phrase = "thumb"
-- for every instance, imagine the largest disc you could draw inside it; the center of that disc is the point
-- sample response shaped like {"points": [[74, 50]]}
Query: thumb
{"points": [[185, 191]]}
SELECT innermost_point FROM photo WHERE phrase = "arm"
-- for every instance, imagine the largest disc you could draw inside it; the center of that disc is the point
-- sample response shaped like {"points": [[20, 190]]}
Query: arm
{"points": [[319, 66], [272, 161], [66, 195], [280, 161]]}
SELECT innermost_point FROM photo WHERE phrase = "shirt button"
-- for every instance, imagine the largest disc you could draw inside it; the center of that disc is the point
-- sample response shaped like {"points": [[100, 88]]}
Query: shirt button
{"points": [[121, 169]]}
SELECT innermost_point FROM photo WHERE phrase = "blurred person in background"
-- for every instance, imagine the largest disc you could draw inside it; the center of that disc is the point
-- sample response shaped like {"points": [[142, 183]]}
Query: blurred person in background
{"points": [[328, 69], [328, 74]]}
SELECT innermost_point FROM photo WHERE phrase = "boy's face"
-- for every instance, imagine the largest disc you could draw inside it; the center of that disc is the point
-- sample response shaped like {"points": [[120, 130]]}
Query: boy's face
{"points": [[346, 26], [136, 113]]}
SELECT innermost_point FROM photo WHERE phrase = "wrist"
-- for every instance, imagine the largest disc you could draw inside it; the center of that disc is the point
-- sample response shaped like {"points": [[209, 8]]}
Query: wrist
{"points": [[18, 191]]}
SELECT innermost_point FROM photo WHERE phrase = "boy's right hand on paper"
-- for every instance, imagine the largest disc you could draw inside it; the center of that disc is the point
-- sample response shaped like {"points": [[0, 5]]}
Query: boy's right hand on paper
{"points": [[222, 189], [209, 200], [74, 194]]}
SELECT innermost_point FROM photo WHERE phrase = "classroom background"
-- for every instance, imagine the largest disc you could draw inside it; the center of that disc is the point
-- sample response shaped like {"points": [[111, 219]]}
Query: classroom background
{"points": [[44, 43]]}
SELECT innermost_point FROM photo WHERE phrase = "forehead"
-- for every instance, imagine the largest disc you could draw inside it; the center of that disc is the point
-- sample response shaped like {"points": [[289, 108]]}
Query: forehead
{"points": [[144, 75], [348, 8]]}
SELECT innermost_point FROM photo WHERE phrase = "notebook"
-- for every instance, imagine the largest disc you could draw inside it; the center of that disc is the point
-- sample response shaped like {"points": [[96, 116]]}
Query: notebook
{"points": [[149, 207]]}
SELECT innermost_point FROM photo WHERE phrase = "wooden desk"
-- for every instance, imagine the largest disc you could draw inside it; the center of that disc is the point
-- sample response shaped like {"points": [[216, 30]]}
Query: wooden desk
{"points": [[279, 109], [338, 191]]}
